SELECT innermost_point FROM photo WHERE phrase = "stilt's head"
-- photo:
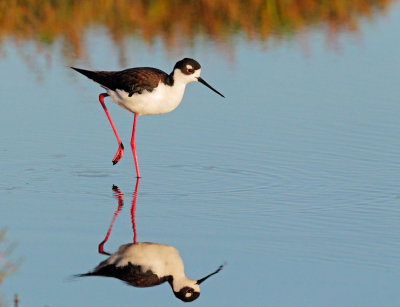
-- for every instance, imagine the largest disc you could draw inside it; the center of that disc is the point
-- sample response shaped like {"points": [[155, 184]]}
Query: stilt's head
{"points": [[187, 294], [187, 289], [188, 70]]}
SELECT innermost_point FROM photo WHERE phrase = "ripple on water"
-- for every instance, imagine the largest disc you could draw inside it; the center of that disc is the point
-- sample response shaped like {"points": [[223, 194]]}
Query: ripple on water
{"points": [[91, 173], [192, 180]]}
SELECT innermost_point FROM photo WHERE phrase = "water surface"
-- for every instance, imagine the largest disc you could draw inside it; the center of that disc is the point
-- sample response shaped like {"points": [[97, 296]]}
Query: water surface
{"points": [[292, 179]]}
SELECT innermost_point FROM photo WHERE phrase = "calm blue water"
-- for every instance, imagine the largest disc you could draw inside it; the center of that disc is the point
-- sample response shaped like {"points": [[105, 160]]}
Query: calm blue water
{"points": [[293, 179]]}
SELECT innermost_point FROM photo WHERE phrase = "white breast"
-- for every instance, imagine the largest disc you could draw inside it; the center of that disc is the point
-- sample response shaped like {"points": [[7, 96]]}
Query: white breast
{"points": [[162, 260], [162, 99]]}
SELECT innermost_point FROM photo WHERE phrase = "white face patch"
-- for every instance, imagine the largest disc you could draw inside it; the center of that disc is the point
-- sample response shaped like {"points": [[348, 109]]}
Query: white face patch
{"points": [[189, 67], [181, 78]]}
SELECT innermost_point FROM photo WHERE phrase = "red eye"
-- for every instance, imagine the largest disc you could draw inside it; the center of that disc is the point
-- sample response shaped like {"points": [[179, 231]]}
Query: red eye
{"points": [[190, 70]]}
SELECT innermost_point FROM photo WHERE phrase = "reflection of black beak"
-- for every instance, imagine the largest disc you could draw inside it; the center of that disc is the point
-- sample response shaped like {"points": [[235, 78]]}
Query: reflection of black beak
{"points": [[219, 269], [201, 80]]}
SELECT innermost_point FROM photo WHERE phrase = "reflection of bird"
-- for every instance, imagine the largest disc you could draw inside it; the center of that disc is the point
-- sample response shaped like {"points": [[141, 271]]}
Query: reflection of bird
{"points": [[145, 90], [150, 264]]}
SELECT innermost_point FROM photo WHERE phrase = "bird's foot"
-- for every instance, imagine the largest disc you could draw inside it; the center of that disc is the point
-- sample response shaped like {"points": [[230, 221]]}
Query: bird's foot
{"points": [[119, 154]]}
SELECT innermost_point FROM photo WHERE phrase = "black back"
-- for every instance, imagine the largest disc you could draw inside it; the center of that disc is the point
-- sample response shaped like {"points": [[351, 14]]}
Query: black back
{"points": [[131, 274], [132, 80]]}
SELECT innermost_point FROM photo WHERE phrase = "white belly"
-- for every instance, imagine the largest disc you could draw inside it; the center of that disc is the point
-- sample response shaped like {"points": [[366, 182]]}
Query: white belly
{"points": [[162, 99], [162, 260]]}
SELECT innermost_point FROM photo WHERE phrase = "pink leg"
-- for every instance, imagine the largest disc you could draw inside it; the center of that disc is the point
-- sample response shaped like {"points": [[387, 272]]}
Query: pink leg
{"points": [[120, 151], [133, 145], [133, 210], [117, 194]]}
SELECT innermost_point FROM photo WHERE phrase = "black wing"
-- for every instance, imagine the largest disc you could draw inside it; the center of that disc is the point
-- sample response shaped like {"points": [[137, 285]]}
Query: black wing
{"points": [[132, 80], [131, 274]]}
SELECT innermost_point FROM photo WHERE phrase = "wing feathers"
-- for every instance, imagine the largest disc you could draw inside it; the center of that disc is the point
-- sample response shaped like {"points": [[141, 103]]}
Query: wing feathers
{"points": [[132, 81]]}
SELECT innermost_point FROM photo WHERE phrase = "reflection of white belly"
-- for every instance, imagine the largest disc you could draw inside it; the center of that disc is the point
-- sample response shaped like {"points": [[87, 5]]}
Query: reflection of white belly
{"points": [[162, 260], [162, 99]]}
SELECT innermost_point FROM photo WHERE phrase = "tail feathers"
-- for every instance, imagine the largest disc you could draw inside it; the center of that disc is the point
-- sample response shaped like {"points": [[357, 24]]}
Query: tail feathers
{"points": [[73, 277], [85, 274], [88, 73], [104, 78]]}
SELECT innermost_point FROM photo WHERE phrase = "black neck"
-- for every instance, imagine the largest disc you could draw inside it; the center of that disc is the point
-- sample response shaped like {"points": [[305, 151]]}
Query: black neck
{"points": [[169, 80]]}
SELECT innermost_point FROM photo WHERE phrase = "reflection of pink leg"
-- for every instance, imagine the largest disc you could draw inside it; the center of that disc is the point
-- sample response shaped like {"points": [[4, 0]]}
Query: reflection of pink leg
{"points": [[117, 194], [133, 145], [133, 210], [120, 151]]}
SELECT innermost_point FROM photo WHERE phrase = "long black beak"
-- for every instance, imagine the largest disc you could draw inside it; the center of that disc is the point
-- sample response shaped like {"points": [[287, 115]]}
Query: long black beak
{"points": [[209, 275], [201, 80]]}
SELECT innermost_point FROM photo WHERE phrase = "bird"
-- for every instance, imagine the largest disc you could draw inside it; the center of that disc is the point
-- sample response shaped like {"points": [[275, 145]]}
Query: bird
{"points": [[145, 91], [146, 264]]}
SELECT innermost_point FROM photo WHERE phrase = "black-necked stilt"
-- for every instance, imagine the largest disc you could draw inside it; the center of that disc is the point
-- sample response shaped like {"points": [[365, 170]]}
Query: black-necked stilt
{"points": [[145, 90], [146, 264], [150, 264]]}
